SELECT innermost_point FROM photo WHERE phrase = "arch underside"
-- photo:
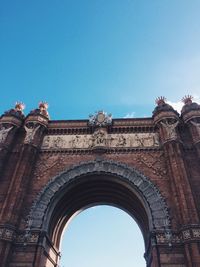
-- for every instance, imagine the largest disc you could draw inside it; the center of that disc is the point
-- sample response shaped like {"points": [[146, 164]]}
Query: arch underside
{"points": [[93, 183]]}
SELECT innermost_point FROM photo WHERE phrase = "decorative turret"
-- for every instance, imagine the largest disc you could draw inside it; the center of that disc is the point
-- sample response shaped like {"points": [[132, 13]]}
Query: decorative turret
{"points": [[15, 115], [35, 123], [9, 122], [191, 116], [167, 119], [41, 110], [190, 110], [163, 109]]}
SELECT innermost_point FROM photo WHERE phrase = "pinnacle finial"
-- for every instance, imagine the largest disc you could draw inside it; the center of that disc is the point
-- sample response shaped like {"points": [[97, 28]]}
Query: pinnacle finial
{"points": [[160, 100], [43, 105], [19, 106], [187, 99]]}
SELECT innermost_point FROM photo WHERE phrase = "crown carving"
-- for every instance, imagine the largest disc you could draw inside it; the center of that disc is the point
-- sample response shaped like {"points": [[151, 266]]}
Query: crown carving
{"points": [[43, 106], [19, 106], [160, 100], [187, 99]]}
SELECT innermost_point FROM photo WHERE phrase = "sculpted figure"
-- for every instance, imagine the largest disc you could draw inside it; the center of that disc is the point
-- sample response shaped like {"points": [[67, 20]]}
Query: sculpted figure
{"points": [[99, 138], [170, 129], [139, 141], [121, 141], [4, 133], [156, 141], [46, 142], [58, 142], [75, 141], [30, 133]]}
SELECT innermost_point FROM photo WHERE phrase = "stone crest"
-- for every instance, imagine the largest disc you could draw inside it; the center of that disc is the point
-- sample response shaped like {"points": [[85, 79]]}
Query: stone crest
{"points": [[100, 119]]}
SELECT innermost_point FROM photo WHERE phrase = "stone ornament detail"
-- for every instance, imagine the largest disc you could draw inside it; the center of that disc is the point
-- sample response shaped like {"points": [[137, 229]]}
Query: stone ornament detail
{"points": [[155, 202], [170, 128], [7, 234], [31, 129], [186, 234], [179, 237], [168, 238], [4, 131], [100, 118], [101, 138], [154, 162], [41, 110], [196, 233], [25, 237], [17, 111]]}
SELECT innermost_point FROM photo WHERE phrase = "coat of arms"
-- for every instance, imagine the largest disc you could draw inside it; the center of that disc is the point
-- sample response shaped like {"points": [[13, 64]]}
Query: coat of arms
{"points": [[100, 119]]}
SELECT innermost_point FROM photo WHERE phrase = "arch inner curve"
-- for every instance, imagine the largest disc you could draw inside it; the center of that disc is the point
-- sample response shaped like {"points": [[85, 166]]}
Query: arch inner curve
{"points": [[97, 183]]}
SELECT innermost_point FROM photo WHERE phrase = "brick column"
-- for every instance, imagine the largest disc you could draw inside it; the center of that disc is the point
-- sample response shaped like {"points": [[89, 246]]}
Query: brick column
{"points": [[33, 130], [10, 122], [167, 120], [191, 117]]}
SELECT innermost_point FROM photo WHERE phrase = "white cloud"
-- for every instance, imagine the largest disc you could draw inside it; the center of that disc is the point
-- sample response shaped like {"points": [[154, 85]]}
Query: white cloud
{"points": [[179, 104], [176, 105], [129, 115]]}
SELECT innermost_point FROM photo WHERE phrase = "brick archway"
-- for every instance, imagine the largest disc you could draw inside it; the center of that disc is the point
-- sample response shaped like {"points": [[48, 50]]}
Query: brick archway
{"points": [[99, 182], [164, 147]]}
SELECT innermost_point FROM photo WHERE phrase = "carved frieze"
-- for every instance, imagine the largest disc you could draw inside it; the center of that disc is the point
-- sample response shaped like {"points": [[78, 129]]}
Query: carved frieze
{"points": [[101, 138]]}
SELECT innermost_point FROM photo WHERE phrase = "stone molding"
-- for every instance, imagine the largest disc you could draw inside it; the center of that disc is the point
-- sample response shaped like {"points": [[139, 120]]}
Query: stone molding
{"points": [[189, 234], [156, 203]]}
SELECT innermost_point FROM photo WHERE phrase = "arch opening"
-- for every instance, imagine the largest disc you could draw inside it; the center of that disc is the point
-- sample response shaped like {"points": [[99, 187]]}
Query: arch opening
{"points": [[91, 190], [102, 236], [99, 183]]}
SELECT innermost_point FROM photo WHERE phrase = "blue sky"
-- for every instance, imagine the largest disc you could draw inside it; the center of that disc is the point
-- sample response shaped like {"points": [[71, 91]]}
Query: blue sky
{"points": [[87, 55], [102, 236], [82, 56]]}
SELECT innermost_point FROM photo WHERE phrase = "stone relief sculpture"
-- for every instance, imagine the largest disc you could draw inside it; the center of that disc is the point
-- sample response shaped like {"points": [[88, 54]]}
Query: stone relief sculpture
{"points": [[100, 119], [4, 133], [101, 138], [121, 140], [30, 133], [170, 129]]}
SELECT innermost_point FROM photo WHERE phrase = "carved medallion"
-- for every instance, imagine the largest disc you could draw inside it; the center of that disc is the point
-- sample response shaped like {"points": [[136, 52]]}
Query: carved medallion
{"points": [[100, 119]]}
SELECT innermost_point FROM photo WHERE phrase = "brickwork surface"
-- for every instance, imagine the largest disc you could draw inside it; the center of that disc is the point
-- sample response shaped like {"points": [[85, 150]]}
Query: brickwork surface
{"points": [[149, 167]]}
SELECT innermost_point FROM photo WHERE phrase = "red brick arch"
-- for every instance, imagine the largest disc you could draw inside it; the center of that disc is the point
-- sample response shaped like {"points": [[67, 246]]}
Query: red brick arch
{"points": [[99, 182]]}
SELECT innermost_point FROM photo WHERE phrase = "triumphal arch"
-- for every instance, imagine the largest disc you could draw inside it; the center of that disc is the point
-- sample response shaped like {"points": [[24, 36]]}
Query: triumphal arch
{"points": [[149, 167]]}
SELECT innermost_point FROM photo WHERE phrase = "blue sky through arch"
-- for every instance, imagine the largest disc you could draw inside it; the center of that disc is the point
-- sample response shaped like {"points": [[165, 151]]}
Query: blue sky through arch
{"points": [[102, 236]]}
